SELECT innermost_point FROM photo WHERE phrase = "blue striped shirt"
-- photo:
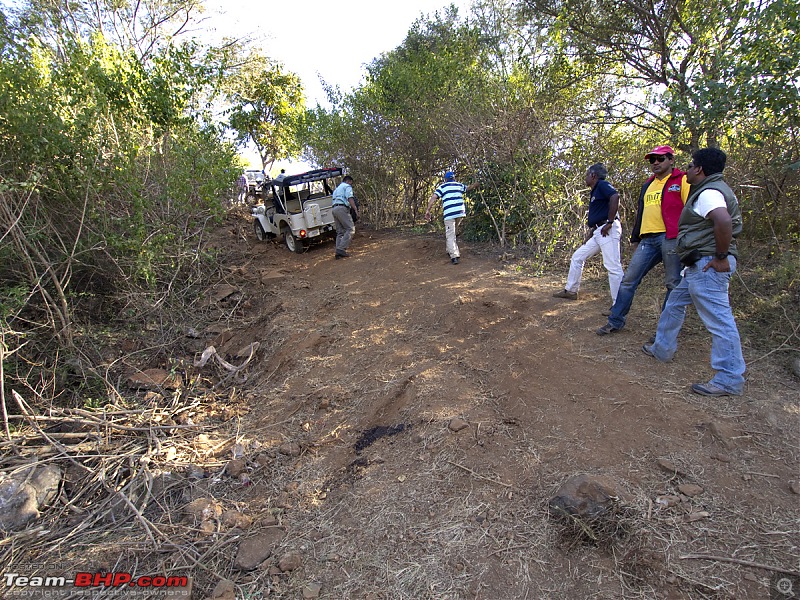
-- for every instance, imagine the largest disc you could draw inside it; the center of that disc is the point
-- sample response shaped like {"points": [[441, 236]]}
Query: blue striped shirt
{"points": [[452, 195]]}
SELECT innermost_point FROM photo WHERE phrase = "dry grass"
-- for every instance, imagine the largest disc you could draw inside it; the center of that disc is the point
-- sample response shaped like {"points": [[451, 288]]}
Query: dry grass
{"points": [[426, 513]]}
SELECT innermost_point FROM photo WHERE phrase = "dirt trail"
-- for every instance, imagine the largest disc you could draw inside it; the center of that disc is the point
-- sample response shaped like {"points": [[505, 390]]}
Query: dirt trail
{"points": [[396, 335]]}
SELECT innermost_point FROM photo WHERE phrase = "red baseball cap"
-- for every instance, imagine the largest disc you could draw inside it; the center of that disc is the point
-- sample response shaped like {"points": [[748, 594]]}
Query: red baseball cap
{"points": [[660, 150]]}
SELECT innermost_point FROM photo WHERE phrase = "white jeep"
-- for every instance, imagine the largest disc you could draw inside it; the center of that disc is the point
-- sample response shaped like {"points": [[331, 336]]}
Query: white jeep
{"points": [[255, 181], [298, 208]]}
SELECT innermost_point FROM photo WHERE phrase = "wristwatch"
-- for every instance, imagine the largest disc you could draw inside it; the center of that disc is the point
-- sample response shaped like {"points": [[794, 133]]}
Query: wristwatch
{"points": [[722, 255]]}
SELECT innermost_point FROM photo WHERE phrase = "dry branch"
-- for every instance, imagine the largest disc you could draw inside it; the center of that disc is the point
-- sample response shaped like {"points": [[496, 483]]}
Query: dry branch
{"points": [[479, 476], [739, 561]]}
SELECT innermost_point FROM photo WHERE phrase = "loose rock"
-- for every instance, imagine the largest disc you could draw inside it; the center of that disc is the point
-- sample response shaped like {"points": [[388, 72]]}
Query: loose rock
{"points": [[587, 496], [457, 424], [22, 495], [234, 519], [690, 489], [697, 516], [202, 509], [670, 468], [668, 500], [154, 379], [290, 561], [312, 590], [207, 528], [235, 467], [195, 472], [719, 433], [290, 449], [255, 550], [224, 590], [283, 501]]}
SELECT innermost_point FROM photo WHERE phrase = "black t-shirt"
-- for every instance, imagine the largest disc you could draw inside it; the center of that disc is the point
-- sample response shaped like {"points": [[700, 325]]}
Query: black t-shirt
{"points": [[598, 204]]}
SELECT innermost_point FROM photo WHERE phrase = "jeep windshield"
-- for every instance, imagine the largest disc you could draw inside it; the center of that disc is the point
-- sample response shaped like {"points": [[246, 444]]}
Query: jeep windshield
{"points": [[253, 175]]}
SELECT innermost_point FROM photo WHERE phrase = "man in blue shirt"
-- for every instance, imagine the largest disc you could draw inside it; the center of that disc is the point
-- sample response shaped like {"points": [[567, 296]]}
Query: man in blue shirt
{"points": [[343, 201], [451, 193], [605, 231]]}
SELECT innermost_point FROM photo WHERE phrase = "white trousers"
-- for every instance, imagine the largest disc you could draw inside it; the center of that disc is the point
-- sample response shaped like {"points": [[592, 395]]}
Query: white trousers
{"points": [[450, 237], [609, 247]]}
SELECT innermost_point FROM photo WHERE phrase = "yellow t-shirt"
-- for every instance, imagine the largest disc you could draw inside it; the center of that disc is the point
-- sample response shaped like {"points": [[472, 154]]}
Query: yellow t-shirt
{"points": [[652, 221]]}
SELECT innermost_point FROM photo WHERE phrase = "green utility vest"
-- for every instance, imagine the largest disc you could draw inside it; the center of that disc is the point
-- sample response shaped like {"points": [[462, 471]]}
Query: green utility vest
{"points": [[696, 232]]}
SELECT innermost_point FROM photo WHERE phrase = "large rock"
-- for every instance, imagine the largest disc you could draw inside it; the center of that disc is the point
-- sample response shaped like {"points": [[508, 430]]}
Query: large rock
{"points": [[587, 496], [255, 550], [22, 495]]}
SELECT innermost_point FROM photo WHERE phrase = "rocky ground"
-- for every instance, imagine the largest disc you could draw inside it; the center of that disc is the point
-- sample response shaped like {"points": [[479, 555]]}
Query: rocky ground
{"points": [[395, 426]]}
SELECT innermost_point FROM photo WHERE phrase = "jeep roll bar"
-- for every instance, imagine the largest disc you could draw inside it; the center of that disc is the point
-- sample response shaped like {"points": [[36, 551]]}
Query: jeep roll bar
{"points": [[282, 185]]}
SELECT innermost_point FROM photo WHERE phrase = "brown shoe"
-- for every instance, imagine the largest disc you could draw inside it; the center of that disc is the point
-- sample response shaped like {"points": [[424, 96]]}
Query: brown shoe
{"points": [[566, 295], [606, 329]]}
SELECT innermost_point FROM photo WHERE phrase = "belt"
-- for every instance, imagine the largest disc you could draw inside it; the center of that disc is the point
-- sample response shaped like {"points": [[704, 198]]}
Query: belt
{"points": [[646, 235], [593, 227], [339, 204]]}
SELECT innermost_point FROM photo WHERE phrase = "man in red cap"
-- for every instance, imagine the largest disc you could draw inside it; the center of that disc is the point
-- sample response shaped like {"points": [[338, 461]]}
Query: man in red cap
{"points": [[655, 233]]}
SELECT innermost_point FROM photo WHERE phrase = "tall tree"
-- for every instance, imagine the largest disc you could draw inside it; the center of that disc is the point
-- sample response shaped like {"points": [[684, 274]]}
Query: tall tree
{"points": [[266, 105], [672, 55], [143, 26]]}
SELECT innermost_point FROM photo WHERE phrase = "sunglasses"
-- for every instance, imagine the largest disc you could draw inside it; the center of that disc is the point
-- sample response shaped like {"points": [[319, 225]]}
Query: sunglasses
{"points": [[658, 158]]}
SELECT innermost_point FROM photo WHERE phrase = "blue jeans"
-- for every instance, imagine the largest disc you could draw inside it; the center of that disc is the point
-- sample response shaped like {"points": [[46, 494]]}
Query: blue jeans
{"points": [[708, 291], [651, 250]]}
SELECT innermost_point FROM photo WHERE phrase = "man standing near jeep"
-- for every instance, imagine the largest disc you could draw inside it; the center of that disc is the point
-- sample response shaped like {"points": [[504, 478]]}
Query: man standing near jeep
{"points": [[343, 202], [241, 184], [707, 231]]}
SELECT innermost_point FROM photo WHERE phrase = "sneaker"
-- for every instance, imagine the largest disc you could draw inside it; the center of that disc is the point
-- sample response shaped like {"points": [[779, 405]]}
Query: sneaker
{"points": [[606, 329], [652, 339], [607, 312], [709, 389], [648, 349], [566, 295], [454, 260], [342, 255]]}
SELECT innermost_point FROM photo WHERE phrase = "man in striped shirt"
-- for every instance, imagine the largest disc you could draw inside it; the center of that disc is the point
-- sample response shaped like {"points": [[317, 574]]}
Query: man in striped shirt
{"points": [[451, 193]]}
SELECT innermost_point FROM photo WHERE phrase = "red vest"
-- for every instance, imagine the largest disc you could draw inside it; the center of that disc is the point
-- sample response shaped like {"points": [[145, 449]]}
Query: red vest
{"points": [[671, 205]]}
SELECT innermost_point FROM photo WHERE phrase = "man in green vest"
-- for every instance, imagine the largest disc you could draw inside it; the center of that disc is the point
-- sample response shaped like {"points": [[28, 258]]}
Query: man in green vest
{"points": [[707, 231]]}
